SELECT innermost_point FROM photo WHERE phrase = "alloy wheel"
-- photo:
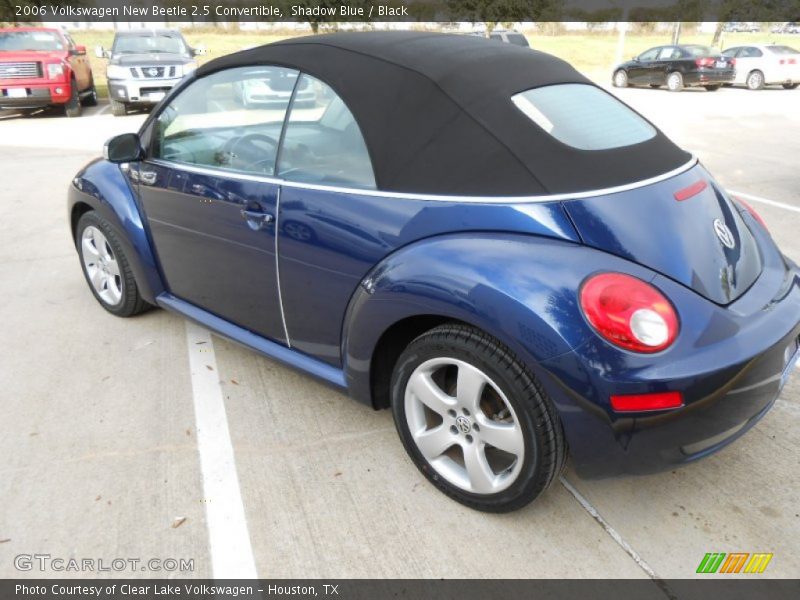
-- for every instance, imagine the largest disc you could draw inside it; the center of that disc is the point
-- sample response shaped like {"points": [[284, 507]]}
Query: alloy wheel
{"points": [[464, 426], [101, 265]]}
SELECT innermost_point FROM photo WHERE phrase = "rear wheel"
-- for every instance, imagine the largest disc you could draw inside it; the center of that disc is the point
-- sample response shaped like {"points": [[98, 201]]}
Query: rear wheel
{"points": [[106, 267], [712, 88], [475, 421], [118, 109], [621, 79], [675, 82], [73, 106], [790, 86], [755, 80]]}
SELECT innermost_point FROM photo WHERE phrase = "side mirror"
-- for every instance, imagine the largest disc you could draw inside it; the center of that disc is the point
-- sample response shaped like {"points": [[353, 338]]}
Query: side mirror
{"points": [[123, 148], [199, 50], [80, 50], [99, 52]]}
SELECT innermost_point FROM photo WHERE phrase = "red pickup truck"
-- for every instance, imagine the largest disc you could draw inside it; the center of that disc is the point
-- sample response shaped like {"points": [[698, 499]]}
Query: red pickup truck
{"points": [[42, 66]]}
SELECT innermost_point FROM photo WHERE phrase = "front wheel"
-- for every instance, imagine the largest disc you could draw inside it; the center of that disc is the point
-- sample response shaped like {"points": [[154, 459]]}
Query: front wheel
{"points": [[106, 267], [675, 82], [475, 421], [118, 109], [620, 79], [73, 106], [790, 86], [755, 80]]}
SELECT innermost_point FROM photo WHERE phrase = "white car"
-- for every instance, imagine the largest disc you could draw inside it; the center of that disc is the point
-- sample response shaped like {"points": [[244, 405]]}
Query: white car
{"points": [[758, 65]]}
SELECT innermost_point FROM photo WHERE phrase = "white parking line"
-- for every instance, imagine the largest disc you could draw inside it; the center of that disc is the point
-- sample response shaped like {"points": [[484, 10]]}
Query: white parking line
{"points": [[229, 539], [587, 506], [782, 205], [104, 108]]}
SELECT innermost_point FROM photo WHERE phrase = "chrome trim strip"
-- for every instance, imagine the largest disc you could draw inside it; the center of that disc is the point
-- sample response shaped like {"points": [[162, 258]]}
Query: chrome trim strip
{"points": [[431, 197], [278, 266]]}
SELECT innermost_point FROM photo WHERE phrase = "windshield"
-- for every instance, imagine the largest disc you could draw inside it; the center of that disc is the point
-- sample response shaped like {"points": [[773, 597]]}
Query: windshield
{"points": [[146, 44], [698, 50], [782, 50], [30, 40]]}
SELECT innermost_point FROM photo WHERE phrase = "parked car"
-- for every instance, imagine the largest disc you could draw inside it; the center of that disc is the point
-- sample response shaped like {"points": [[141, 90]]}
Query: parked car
{"points": [[509, 37], [273, 86], [758, 65], [676, 67], [42, 67], [144, 65], [742, 27], [482, 239], [787, 27]]}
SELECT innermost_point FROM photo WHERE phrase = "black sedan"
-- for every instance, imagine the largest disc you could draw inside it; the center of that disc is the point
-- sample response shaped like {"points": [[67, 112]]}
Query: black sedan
{"points": [[676, 67]]}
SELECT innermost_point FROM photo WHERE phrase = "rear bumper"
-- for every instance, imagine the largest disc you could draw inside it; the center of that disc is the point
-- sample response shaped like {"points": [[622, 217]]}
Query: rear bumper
{"points": [[140, 91], [706, 77], [35, 96], [730, 363]]}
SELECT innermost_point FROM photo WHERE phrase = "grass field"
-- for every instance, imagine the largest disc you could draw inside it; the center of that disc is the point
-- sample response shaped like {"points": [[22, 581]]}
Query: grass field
{"points": [[591, 53]]}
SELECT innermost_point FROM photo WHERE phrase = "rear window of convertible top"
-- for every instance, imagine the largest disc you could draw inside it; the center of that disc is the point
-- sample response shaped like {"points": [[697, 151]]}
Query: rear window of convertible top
{"points": [[583, 116]]}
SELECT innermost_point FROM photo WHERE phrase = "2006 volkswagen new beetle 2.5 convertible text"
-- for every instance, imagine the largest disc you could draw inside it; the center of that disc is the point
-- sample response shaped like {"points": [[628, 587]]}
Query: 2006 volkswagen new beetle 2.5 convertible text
{"points": [[467, 232]]}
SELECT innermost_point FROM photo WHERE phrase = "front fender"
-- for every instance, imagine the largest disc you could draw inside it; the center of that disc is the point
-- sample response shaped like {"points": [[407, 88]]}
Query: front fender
{"points": [[520, 289], [103, 187]]}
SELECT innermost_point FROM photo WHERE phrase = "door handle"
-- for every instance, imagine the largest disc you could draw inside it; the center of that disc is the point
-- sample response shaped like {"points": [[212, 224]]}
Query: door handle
{"points": [[257, 219], [147, 177]]}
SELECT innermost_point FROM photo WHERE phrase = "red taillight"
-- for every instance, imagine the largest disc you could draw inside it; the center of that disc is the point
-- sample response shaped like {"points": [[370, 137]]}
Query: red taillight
{"points": [[642, 402], [628, 312], [704, 62], [781, 62], [792, 61], [732, 61], [752, 212]]}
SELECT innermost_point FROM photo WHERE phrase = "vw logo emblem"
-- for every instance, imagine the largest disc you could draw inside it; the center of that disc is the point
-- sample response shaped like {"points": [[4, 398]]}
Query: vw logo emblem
{"points": [[463, 424], [153, 71], [724, 234]]}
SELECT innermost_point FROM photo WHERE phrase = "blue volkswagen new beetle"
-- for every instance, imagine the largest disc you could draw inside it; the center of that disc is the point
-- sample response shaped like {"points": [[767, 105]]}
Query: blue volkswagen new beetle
{"points": [[469, 233]]}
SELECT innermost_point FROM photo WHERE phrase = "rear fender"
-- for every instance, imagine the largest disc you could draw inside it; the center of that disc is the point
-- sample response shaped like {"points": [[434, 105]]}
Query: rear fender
{"points": [[103, 187], [520, 289]]}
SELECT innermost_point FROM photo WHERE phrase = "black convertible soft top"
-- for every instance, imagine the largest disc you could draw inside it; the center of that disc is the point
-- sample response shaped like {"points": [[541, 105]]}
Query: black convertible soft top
{"points": [[437, 117]]}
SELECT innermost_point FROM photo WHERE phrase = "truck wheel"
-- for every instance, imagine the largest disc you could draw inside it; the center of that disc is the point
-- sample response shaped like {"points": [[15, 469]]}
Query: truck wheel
{"points": [[118, 109], [90, 99], [475, 420], [73, 106]]}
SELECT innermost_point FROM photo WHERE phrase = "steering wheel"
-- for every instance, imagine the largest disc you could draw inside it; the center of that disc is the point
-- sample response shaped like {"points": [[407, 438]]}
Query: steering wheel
{"points": [[247, 151]]}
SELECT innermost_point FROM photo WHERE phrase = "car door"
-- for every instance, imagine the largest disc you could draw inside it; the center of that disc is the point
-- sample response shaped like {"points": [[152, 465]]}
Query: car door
{"points": [[210, 198], [664, 63], [327, 233], [639, 69], [748, 60]]}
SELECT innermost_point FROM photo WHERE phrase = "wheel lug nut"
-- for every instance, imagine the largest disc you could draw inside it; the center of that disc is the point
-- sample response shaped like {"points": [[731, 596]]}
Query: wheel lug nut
{"points": [[469, 438], [475, 427], [453, 429], [452, 413], [465, 411]]}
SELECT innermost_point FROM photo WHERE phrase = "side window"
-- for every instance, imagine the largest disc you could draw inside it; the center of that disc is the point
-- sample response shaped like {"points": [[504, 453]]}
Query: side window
{"points": [[649, 54], [730, 52], [750, 52], [229, 120], [323, 143], [667, 53]]}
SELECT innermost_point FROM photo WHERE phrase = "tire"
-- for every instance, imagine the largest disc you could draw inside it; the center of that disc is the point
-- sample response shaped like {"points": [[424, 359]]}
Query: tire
{"points": [[73, 106], [118, 109], [755, 80], [442, 442], [90, 99], [675, 82], [790, 86], [620, 78], [106, 267], [712, 88]]}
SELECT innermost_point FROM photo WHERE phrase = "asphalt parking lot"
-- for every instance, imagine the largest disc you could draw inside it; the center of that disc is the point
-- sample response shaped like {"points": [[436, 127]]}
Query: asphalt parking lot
{"points": [[106, 439]]}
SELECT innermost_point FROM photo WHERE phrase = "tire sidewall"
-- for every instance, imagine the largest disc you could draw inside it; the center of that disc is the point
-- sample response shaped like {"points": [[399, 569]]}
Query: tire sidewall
{"points": [[675, 76], [502, 375], [127, 304]]}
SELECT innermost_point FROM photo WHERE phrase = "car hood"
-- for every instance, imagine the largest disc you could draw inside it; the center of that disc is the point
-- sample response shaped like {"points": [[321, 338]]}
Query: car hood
{"points": [[685, 227], [154, 58], [32, 55]]}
